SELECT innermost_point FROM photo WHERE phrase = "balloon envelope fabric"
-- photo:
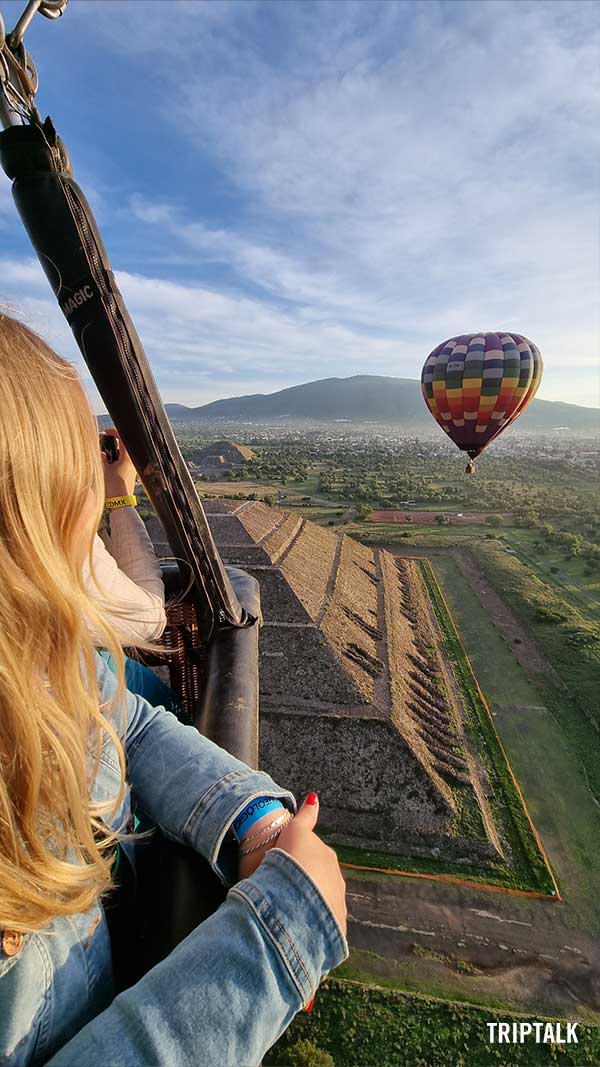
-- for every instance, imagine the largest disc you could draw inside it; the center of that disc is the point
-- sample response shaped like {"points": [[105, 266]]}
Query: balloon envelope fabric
{"points": [[477, 384]]}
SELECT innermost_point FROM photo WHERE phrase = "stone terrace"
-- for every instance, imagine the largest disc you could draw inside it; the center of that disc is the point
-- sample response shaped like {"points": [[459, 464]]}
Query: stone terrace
{"points": [[352, 702]]}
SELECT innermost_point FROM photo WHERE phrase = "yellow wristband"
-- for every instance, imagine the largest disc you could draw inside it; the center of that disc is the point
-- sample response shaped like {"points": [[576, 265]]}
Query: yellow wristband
{"points": [[114, 502]]}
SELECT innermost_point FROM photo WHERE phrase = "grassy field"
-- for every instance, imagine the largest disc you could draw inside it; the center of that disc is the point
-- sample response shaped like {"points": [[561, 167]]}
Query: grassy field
{"points": [[568, 639], [498, 672], [529, 869], [571, 577], [365, 1025], [550, 775], [309, 487]]}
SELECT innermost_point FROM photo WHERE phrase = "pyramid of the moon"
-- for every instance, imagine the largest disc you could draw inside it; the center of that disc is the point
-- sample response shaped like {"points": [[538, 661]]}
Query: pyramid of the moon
{"points": [[355, 700]]}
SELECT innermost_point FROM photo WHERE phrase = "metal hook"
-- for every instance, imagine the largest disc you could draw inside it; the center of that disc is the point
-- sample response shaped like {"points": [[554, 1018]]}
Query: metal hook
{"points": [[53, 9], [50, 9]]}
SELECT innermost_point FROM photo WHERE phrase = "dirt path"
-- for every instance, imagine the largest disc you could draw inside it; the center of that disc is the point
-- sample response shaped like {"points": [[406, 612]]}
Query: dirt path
{"points": [[524, 649], [474, 944]]}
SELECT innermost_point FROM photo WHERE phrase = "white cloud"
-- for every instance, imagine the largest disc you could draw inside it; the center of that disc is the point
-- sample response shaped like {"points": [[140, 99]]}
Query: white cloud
{"points": [[414, 170], [404, 172], [214, 332], [203, 344]]}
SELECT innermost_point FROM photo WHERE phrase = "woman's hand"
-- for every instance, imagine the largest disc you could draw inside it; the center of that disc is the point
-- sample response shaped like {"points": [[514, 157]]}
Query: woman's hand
{"points": [[319, 861], [119, 477]]}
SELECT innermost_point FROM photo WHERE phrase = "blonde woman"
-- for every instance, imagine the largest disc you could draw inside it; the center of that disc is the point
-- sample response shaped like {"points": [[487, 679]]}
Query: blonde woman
{"points": [[75, 747]]}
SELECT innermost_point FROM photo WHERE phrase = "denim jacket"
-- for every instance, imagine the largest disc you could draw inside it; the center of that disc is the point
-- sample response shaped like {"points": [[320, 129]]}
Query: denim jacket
{"points": [[231, 988]]}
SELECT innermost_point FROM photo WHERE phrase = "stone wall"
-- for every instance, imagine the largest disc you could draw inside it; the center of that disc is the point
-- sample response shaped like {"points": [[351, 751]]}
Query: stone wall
{"points": [[373, 794]]}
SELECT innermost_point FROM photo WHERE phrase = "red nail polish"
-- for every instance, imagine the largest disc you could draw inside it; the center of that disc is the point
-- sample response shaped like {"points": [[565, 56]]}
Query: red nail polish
{"points": [[312, 798], [309, 1007]]}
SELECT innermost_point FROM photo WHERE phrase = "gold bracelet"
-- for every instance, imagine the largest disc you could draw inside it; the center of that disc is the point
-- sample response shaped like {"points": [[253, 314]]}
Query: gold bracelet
{"points": [[265, 829], [114, 502], [266, 840]]}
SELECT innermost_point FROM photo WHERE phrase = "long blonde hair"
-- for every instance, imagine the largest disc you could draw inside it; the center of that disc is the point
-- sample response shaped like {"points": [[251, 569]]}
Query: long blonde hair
{"points": [[55, 847]]}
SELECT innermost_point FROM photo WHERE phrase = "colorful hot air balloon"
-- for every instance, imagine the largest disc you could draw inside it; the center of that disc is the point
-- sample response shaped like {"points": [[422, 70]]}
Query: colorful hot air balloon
{"points": [[476, 385]]}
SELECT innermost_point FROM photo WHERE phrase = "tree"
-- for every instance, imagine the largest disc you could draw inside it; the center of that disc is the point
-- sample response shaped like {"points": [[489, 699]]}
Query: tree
{"points": [[362, 511], [441, 519], [493, 520]]}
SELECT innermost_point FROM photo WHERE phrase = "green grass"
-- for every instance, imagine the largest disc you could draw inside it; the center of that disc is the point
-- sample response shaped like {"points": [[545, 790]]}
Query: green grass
{"points": [[308, 487], [497, 874], [579, 589], [569, 641], [560, 804], [363, 1026], [549, 773], [529, 870], [499, 674]]}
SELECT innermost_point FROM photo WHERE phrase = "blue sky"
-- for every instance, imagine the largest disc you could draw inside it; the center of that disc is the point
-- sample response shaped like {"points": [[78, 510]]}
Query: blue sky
{"points": [[291, 191]]}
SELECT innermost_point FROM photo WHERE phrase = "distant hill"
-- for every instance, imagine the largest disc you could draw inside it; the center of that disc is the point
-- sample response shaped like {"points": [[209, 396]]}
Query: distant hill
{"points": [[367, 398]]}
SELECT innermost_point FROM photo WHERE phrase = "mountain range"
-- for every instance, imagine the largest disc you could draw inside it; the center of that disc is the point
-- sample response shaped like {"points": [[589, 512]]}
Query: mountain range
{"points": [[367, 398]]}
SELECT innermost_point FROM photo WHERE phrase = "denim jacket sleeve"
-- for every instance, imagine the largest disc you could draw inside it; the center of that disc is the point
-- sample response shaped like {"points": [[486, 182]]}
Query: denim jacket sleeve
{"points": [[188, 786], [227, 992]]}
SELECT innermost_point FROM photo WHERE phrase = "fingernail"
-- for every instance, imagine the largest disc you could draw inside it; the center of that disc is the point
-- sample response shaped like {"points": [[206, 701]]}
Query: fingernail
{"points": [[309, 1007], [311, 799]]}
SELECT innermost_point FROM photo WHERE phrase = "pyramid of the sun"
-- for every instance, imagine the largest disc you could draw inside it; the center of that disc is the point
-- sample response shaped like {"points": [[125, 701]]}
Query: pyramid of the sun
{"points": [[351, 702]]}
